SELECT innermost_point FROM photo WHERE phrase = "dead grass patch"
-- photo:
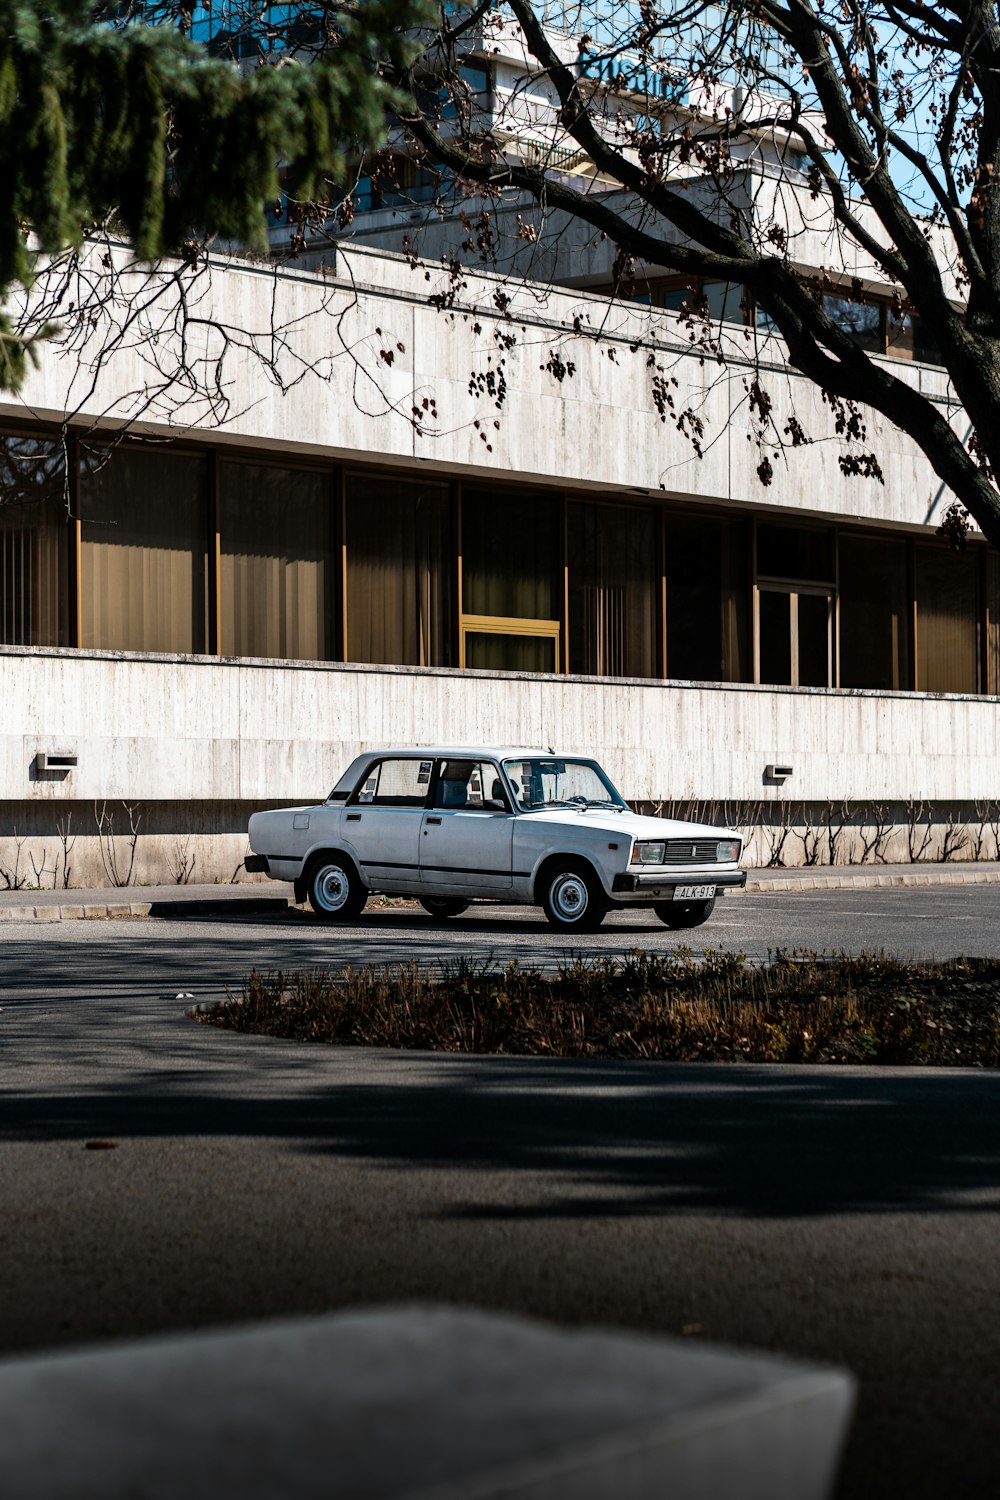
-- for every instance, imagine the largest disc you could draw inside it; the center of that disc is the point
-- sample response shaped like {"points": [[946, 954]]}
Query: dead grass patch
{"points": [[797, 1008]]}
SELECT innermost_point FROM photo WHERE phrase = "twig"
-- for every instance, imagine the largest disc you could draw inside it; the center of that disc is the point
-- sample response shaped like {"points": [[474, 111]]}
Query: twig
{"points": [[116, 873]]}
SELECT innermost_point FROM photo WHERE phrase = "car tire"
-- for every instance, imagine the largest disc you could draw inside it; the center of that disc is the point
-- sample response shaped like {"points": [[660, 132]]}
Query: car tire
{"points": [[679, 914], [334, 890], [443, 907], [571, 897]]}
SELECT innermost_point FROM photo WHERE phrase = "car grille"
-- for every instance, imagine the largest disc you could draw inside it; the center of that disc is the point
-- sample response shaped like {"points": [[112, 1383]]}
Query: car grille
{"points": [[692, 851]]}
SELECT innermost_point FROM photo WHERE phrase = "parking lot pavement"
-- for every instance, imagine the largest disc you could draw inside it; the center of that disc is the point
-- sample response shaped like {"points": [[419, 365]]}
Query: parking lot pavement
{"points": [[203, 954], [272, 897], [842, 1215], [846, 1215]]}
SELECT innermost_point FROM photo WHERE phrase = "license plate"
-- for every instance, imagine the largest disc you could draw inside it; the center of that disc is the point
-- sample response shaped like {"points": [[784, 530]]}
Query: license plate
{"points": [[694, 892]]}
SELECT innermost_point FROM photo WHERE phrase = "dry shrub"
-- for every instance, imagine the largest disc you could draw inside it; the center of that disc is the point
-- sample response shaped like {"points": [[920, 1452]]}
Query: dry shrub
{"points": [[798, 1008]]}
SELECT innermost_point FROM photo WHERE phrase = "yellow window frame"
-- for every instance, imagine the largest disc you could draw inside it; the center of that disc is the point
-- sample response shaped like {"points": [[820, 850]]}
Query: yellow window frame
{"points": [[500, 625]]}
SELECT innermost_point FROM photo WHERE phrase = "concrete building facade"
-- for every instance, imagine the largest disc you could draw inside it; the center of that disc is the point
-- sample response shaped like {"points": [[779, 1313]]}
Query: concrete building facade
{"points": [[406, 509]]}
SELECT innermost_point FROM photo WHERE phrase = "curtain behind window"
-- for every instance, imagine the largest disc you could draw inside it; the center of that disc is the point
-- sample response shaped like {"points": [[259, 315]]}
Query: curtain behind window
{"points": [[510, 653], [707, 571], [143, 549], [947, 620], [613, 573], [993, 598], [33, 542], [874, 596], [510, 554], [398, 572], [276, 531]]}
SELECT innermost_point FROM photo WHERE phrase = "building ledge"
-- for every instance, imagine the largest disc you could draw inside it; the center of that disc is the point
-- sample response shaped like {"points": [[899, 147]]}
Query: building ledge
{"points": [[267, 663]]}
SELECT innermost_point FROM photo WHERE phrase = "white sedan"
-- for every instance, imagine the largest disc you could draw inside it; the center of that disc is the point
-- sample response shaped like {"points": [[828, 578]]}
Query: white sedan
{"points": [[451, 826]]}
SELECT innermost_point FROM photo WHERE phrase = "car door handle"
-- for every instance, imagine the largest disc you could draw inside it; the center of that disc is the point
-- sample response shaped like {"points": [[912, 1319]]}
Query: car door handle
{"points": [[354, 817], [433, 820]]}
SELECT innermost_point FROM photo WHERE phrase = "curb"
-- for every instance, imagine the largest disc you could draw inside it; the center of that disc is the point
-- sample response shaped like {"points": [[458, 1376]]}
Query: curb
{"points": [[757, 886], [255, 906]]}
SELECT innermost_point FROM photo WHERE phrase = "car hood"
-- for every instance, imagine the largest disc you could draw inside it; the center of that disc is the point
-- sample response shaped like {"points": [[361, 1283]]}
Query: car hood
{"points": [[630, 823]]}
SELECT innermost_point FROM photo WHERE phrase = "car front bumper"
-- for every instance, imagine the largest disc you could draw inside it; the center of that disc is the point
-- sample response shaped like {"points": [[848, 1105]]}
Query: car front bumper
{"points": [[629, 889]]}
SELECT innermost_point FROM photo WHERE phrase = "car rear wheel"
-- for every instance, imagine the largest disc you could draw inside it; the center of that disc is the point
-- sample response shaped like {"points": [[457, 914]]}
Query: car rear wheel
{"points": [[442, 907], [678, 914], [572, 898], [334, 890]]}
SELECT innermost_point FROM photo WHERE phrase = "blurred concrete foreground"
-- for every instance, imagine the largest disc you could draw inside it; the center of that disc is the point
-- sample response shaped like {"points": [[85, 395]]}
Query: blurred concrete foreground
{"points": [[440, 1404]]}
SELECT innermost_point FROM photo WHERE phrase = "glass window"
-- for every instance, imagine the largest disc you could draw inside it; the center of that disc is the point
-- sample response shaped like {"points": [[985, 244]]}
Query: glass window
{"points": [[794, 637], [560, 783], [678, 298], [143, 561], [472, 93], [723, 301], [862, 320], [613, 575], [510, 554], [775, 637], [718, 301], [925, 345], [947, 620], [398, 572], [472, 785], [899, 332], [707, 579], [501, 651], [874, 596], [510, 573], [993, 603], [908, 337], [33, 542], [396, 783], [396, 181], [794, 552], [276, 561], [813, 640]]}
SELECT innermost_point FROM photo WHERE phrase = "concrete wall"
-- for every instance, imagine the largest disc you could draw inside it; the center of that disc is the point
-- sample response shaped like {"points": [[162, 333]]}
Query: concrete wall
{"points": [[335, 365], [194, 728], [198, 743]]}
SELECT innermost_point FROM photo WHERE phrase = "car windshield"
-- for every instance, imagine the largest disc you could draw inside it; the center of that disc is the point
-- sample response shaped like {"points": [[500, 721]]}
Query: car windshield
{"points": [[544, 781]]}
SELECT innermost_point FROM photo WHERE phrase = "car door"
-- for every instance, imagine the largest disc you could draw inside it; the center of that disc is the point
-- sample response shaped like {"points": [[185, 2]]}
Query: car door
{"points": [[382, 823], [467, 835]]}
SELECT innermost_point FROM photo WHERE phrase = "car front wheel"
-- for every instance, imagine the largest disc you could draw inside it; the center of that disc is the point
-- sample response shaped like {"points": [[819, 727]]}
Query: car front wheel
{"points": [[442, 907], [334, 890], [684, 913], [572, 899]]}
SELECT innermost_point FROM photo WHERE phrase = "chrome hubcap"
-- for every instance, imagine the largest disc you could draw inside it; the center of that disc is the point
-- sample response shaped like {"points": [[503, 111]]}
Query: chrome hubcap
{"points": [[569, 897], [332, 888]]}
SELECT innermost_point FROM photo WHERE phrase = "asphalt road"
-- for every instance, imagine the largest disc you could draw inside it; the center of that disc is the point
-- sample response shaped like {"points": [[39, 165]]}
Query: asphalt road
{"points": [[203, 955], [844, 1215]]}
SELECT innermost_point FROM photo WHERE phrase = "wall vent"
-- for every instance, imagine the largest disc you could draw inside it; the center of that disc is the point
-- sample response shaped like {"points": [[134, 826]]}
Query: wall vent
{"points": [[55, 760]]}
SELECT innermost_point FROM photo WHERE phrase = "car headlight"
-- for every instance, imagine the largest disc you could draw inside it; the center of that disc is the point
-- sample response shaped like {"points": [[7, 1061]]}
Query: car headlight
{"points": [[729, 850], [649, 853]]}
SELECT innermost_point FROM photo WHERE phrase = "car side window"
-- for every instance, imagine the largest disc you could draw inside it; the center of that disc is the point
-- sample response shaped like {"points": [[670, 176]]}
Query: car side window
{"points": [[395, 783], [470, 785]]}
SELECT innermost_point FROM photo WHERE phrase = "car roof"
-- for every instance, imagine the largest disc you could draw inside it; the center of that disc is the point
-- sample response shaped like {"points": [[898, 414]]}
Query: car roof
{"points": [[458, 752], [349, 780]]}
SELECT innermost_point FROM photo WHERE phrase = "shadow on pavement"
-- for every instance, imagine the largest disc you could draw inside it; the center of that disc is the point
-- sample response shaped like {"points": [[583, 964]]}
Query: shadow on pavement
{"points": [[598, 1139]]}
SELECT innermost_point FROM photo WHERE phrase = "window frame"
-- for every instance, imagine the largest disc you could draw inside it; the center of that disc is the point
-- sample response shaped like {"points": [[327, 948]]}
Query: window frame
{"points": [[394, 804]]}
